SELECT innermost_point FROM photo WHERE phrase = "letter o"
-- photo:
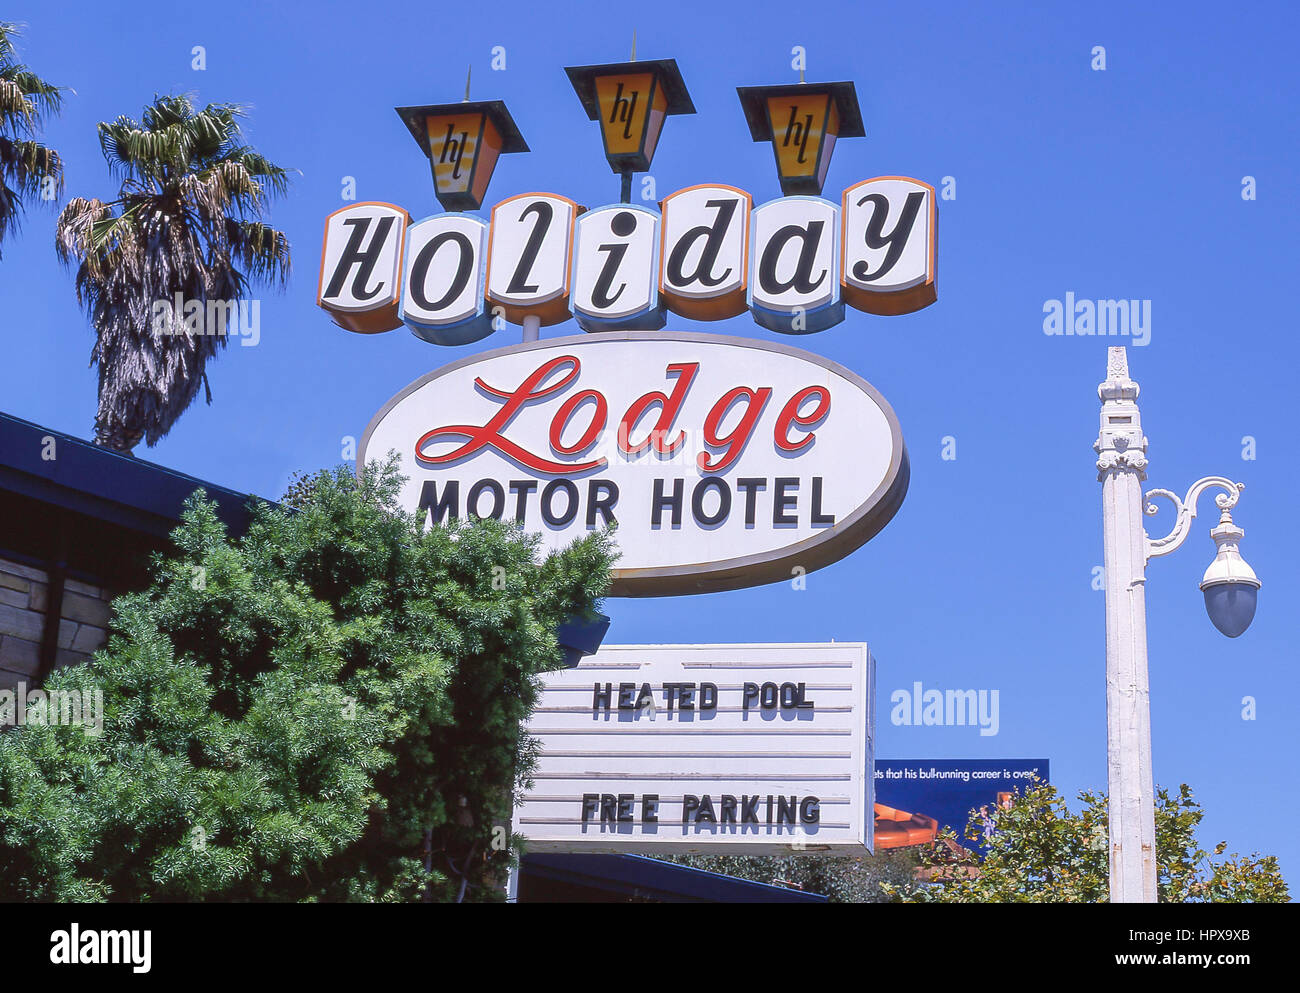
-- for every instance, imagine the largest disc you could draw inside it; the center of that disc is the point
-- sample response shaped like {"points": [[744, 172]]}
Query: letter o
{"points": [[789, 695], [589, 436], [548, 498], [724, 500], [498, 498]]}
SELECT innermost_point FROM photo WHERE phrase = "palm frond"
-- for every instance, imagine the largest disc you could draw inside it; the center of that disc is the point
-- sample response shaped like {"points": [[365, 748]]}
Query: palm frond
{"points": [[29, 170], [44, 99]]}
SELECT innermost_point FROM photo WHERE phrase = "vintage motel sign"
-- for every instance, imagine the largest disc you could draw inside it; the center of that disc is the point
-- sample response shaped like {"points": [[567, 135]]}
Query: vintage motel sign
{"points": [[889, 245], [361, 266], [730, 749], [725, 462], [631, 100], [794, 283], [463, 142], [616, 270], [795, 263], [802, 121], [530, 251], [445, 280], [704, 261], [707, 257]]}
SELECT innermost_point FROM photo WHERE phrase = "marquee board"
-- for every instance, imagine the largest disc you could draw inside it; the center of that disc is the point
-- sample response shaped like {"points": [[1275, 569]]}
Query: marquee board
{"points": [[732, 749]]}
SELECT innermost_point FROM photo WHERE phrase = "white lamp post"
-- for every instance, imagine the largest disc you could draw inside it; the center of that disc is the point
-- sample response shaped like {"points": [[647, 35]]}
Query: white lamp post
{"points": [[1230, 587]]}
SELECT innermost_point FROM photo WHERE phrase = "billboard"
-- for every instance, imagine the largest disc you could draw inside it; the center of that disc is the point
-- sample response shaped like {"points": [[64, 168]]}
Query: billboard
{"points": [[731, 749], [915, 799]]}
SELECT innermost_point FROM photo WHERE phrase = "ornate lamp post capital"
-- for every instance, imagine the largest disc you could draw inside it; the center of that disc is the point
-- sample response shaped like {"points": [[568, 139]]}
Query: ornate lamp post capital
{"points": [[1120, 443]]}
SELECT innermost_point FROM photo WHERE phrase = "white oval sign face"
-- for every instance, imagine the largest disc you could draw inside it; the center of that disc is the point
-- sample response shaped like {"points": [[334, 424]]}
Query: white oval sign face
{"points": [[615, 269], [361, 266], [529, 251], [794, 281], [889, 245], [725, 462], [705, 251], [442, 295]]}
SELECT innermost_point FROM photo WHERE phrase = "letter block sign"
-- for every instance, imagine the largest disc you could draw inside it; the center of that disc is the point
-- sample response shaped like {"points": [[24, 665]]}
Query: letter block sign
{"points": [[361, 266], [889, 245], [795, 262], [442, 294], [530, 250], [705, 256], [615, 270], [794, 284]]}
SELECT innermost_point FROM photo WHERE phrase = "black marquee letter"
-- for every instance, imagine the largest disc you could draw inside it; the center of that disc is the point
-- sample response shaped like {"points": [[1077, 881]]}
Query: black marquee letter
{"points": [[364, 258], [420, 269], [519, 281], [896, 240]]}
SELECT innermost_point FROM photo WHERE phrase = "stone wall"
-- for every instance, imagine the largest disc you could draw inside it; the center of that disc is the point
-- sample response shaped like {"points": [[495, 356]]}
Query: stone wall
{"points": [[23, 597]]}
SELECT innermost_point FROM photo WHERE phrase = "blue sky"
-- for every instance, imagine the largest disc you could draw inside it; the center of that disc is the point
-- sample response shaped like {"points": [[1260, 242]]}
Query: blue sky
{"points": [[1117, 183]]}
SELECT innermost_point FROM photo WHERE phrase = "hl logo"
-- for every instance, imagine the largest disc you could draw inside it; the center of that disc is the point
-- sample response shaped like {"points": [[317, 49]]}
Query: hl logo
{"points": [[623, 110], [797, 131], [453, 149]]}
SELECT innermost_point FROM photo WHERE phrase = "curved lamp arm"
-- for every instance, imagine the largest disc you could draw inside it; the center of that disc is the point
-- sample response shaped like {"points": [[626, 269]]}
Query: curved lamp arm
{"points": [[1186, 510]]}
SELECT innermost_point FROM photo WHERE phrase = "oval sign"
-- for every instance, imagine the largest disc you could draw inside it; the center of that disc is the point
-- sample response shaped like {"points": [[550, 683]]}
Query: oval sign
{"points": [[725, 462]]}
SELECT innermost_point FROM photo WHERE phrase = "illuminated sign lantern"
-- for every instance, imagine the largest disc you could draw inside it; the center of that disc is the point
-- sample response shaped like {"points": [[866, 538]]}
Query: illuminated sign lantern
{"points": [[794, 283], [802, 121], [616, 270], [890, 245], [463, 142], [530, 250], [725, 462], [444, 284], [734, 749], [361, 267], [631, 100], [704, 261]]}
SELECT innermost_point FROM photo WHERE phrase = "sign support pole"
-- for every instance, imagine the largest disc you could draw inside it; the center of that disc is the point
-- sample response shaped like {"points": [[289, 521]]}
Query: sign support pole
{"points": [[1121, 467], [512, 886], [532, 327]]}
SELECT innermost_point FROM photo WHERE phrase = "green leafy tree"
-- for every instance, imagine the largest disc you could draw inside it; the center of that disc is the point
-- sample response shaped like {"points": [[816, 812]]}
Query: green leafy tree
{"points": [[186, 224], [326, 709], [28, 169], [1038, 851]]}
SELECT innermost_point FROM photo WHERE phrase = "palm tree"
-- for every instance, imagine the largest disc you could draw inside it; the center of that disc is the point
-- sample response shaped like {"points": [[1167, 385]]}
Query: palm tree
{"points": [[25, 164], [185, 227]]}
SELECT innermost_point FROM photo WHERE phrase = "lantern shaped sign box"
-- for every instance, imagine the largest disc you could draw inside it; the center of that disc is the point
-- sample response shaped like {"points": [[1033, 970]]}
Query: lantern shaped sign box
{"points": [[724, 462]]}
